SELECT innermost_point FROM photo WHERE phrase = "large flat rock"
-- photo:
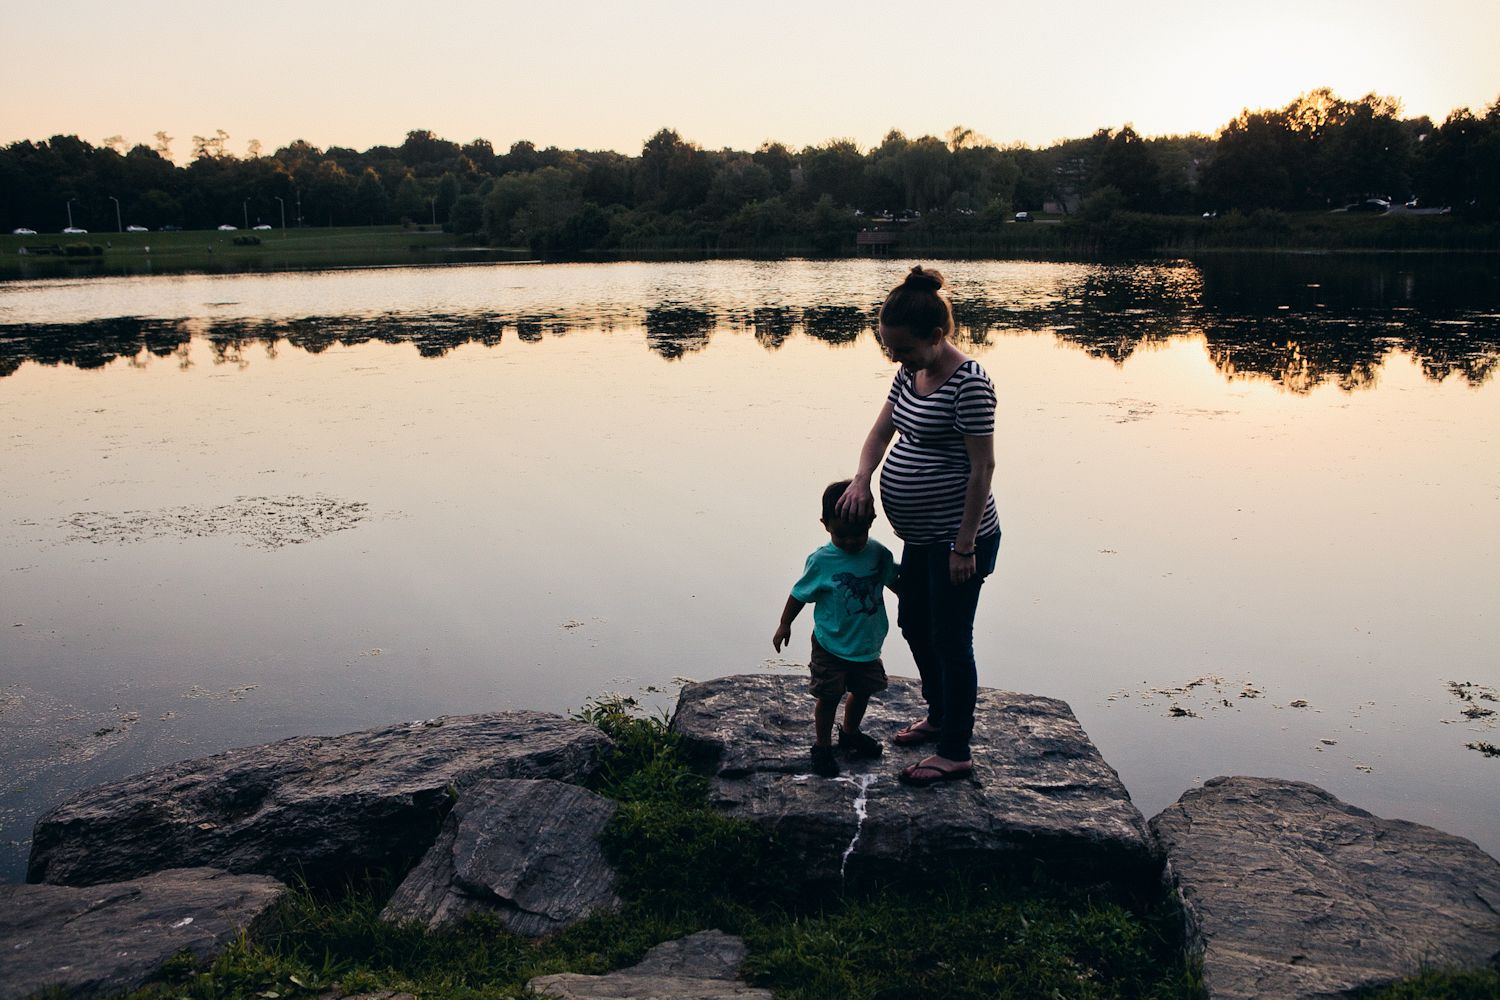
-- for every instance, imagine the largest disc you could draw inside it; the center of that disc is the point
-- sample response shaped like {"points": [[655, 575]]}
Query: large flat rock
{"points": [[106, 939], [525, 851], [1042, 793], [702, 966], [1290, 892], [317, 807]]}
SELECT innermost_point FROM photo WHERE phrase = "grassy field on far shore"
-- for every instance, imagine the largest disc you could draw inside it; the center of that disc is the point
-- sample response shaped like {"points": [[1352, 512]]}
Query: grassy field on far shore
{"points": [[1113, 236], [215, 251]]}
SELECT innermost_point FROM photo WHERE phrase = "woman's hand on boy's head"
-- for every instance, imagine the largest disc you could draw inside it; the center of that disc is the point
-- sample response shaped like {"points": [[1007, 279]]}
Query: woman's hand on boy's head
{"points": [[856, 503]]}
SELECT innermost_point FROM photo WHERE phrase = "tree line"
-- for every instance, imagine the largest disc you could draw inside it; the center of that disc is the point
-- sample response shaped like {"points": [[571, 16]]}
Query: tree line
{"points": [[1319, 152]]}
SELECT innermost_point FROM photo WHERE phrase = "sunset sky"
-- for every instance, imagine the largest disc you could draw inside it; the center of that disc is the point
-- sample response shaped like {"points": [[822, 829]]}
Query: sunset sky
{"points": [[606, 75]]}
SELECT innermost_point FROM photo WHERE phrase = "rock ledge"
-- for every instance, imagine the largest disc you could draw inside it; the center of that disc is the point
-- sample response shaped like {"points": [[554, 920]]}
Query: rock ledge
{"points": [[702, 966], [525, 851], [1290, 892], [322, 808], [110, 939], [1042, 792]]}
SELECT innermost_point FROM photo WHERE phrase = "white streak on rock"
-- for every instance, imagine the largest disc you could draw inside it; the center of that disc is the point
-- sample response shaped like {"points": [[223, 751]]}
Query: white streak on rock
{"points": [[861, 809]]}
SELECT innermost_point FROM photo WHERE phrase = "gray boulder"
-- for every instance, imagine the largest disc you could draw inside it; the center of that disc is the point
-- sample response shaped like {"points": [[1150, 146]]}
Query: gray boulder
{"points": [[525, 851], [1289, 892], [1042, 793], [112, 938], [702, 966], [322, 808]]}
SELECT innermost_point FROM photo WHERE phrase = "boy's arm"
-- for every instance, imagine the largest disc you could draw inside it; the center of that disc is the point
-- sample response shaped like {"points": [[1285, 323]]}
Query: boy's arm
{"points": [[789, 613]]}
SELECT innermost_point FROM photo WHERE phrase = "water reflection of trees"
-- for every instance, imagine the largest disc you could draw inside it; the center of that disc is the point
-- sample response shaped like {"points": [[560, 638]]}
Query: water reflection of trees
{"points": [[1299, 323], [89, 345], [836, 324], [773, 325], [674, 330]]}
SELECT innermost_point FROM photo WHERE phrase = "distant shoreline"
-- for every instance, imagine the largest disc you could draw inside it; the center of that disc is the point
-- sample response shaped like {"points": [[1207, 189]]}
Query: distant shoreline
{"points": [[1122, 236]]}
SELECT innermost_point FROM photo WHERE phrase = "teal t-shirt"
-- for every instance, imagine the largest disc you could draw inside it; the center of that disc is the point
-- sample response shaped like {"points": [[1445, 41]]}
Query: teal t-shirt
{"points": [[847, 592]]}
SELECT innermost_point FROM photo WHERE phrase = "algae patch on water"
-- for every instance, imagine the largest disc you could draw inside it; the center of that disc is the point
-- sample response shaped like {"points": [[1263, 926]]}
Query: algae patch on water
{"points": [[259, 522], [1470, 695]]}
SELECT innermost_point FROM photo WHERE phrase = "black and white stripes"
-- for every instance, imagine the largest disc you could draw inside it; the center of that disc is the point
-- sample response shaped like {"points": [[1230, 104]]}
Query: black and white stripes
{"points": [[926, 474]]}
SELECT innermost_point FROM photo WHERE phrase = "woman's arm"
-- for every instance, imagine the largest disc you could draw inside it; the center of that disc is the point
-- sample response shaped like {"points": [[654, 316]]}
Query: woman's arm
{"points": [[858, 500], [976, 494]]}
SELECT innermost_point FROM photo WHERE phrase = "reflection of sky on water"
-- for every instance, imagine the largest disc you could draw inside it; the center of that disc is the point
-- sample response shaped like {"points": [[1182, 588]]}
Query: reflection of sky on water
{"points": [[556, 512]]}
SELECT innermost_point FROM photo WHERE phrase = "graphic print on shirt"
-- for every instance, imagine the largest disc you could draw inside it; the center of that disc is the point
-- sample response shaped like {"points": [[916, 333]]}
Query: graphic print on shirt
{"points": [[861, 593]]}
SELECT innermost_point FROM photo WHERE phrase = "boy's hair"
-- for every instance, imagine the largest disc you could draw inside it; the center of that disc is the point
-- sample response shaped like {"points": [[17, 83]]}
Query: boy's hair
{"points": [[831, 498]]}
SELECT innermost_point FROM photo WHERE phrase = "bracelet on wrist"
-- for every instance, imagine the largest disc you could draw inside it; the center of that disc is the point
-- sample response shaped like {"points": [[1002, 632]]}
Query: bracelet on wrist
{"points": [[953, 547]]}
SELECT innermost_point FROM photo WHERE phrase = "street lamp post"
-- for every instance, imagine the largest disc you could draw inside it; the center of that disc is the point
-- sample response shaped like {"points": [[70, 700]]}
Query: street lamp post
{"points": [[432, 203], [119, 226], [283, 214], [246, 206], [69, 207]]}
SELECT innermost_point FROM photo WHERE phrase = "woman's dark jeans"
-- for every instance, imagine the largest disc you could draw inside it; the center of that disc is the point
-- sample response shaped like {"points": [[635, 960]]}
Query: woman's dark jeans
{"points": [[937, 620]]}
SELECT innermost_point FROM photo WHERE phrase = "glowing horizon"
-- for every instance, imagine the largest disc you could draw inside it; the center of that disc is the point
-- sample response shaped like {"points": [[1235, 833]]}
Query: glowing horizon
{"points": [[592, 76]]}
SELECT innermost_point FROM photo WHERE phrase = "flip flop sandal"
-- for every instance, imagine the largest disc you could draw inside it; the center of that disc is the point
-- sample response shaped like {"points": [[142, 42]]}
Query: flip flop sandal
{"points": [[917, 732], [921, 775]]}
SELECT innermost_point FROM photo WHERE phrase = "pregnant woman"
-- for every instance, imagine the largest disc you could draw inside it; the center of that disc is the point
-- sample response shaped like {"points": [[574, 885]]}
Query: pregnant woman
{"points": [[935, 490]]}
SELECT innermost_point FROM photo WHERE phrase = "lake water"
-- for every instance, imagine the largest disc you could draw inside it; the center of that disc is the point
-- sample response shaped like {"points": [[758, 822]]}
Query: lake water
{"points": [[1251, 506]]}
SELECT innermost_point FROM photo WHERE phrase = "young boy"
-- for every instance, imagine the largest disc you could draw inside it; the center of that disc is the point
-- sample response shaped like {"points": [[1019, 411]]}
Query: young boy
{"points": [[844, 581]]}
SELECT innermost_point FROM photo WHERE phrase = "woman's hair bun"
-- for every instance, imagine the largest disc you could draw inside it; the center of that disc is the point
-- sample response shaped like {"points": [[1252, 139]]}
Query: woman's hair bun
{"points": [[919, 303], [923, 279]]}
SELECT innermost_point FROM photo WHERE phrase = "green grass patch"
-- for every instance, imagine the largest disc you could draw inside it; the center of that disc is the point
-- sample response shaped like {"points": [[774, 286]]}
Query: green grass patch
{"points": [[213, 251], [1081, 236], [683, 867], [974, 938], [1443, 984]]}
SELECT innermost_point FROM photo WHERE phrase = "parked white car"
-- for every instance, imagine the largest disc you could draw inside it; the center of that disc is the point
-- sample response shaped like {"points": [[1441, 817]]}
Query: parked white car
{"points": [[262, 226], [226, 229], [136, 229], [75, 231], [23, 232]]}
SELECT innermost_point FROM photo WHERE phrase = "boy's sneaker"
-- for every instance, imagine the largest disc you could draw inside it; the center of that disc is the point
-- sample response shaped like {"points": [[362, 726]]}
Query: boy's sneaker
{"points": [[823, 764], [860, 744]]}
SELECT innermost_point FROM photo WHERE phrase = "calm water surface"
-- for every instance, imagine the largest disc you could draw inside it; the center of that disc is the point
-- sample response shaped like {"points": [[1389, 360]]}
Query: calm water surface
{"points": [[1251, 508]]}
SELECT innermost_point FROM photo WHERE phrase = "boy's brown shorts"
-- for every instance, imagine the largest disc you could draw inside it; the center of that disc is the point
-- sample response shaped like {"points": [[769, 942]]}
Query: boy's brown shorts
{"points": [[833, 675]]}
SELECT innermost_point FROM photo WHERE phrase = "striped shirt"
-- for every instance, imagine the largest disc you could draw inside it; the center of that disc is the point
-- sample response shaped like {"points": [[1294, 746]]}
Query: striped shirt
{"points": [[926, 475]]}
